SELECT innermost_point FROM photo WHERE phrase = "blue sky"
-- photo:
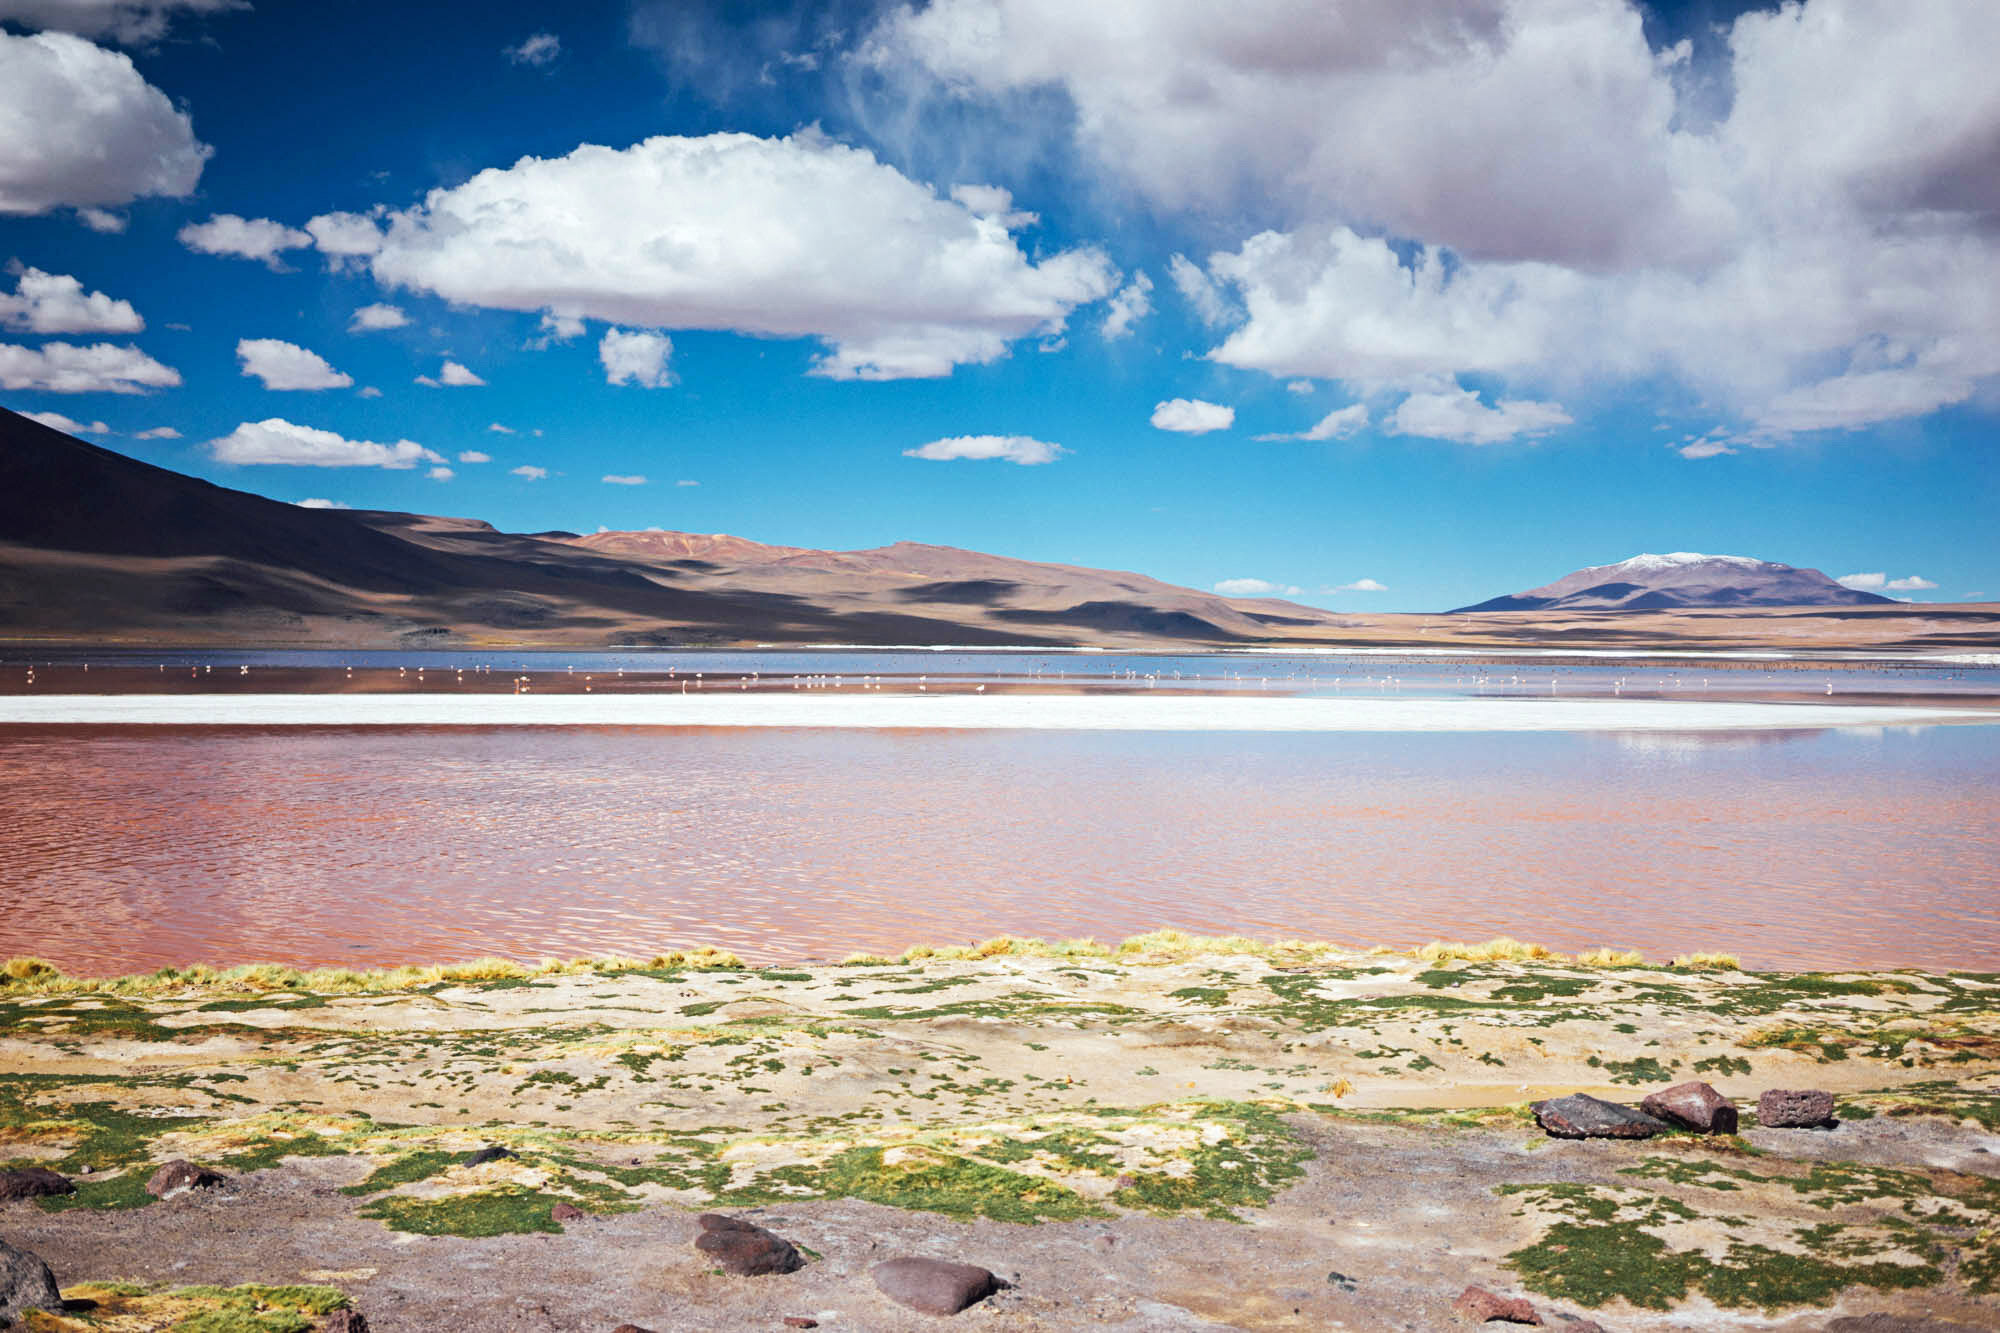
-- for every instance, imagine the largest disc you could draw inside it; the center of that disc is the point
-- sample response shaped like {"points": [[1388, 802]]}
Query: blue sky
{"points": [[1449, 298]]}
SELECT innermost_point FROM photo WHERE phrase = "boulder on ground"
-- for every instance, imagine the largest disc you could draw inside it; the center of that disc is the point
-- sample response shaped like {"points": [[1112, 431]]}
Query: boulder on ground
{"points": [[25, 1283], [345, 1321], [934, 1286], [744, 1248], [1789, 1108], [566, 1212], [485, 1155], [1483, 1307], [1695, 1106], [1581, 1116], [800, 1321], [179, 1176], [31, 1182]]}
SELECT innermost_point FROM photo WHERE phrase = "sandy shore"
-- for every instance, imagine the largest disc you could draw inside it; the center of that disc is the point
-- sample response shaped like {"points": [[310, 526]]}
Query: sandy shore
{"points": [[1176, 1135], [1138, 712]]}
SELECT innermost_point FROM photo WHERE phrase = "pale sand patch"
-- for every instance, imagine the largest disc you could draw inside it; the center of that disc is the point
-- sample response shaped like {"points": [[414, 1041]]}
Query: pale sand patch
{"points": [[965, 712]]}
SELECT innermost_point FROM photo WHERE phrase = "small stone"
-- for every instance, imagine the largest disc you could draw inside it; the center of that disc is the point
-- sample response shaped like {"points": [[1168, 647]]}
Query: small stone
{"points": [[345, 1321], [25, 1283], [744, 1248], [1341, 1280], [566, 1212], [485, 1155], [1483, 1307], [179, 1176], [630, 1328], [934, 1286], [800, 1321], [1785, 1108], [32, 1182], [1581, 1116], [1695, 1106]]}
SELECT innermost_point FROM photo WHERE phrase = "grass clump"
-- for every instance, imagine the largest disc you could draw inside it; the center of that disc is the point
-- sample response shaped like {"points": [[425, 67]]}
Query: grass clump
{"points": [[1709, 962], [509, 1210], [243, 1309], [34, 976], [1501, 949], [1608, 957]]}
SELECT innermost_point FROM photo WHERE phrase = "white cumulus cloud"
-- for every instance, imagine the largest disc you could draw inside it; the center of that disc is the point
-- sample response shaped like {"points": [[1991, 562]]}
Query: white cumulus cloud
{"points": [[614, 479], [440, 473], [793, 237], [260, 239], [1192, 416], [275, 440], [451, 376], [56, 303], [1361, 585], [529, 471], [1881, 582], [80, 128], [1457, 414], [57, 421], [1130, 304], [1335, 424], [474, 456], [130, 22], [346, 238], [315, 502], [1254, 588], [283, 365], [158, 433], [1539, 196], [1022, 449], [69, 368], [636, 357], [381, 315], [539, 49]]}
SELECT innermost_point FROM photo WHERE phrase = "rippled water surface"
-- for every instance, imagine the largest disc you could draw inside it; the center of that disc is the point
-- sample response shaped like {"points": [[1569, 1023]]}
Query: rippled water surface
{"points": [[129, 848]]}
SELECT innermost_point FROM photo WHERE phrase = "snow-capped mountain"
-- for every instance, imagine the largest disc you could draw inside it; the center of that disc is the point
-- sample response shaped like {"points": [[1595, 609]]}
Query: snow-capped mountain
{"points": [[1682, 579]]}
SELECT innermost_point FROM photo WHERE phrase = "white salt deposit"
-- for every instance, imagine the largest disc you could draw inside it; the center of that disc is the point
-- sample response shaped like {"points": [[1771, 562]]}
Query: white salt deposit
{"points": [[961, 711]]}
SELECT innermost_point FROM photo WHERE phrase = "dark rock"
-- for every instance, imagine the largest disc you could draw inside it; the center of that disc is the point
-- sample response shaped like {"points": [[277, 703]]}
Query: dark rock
{"points": [[25, 1283], [800, 1321], [1581, 1116], [31, 1182], [1578, 1324], [345, 1321], [1341, 1280], [1695, 1106], [744, 1248], [1483, 1307], [934, 1286], [1894, 1323], [566, 1212], [630, 1328], [179, 1176], [1785, 1108], [485, 1155]]}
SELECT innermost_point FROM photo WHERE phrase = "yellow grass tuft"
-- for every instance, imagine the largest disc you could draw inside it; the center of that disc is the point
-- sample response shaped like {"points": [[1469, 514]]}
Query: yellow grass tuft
{"points": [[1503, 949], [27, 969], [1709, 962], [1612, 958], [867, 960]]}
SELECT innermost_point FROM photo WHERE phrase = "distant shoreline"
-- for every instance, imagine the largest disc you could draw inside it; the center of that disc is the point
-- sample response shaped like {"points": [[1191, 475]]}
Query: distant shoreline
{"points": [[899, 709]]}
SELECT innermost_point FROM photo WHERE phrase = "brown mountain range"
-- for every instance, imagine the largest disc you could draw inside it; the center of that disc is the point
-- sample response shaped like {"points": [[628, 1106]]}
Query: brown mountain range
{"points": [[97, 548], [94, 545]]}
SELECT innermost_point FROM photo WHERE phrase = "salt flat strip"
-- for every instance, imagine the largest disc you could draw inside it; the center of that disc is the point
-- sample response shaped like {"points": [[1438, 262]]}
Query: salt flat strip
{"points": [[959, 711]]}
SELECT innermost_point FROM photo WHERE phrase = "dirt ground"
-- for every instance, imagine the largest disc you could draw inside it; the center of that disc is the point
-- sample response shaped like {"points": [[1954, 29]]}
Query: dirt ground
{"points": [[1180, 1140]]}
